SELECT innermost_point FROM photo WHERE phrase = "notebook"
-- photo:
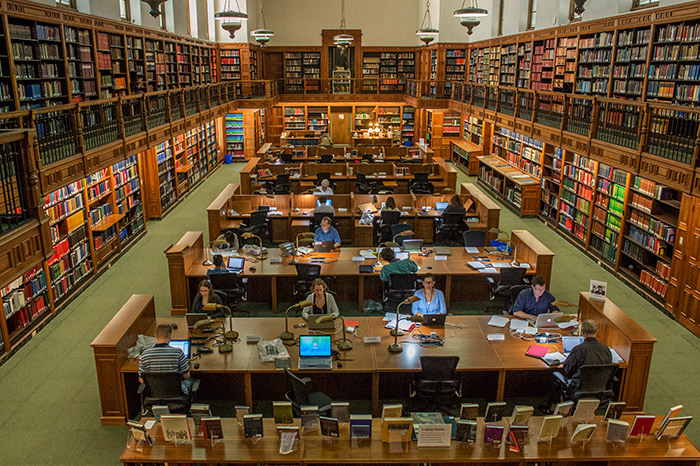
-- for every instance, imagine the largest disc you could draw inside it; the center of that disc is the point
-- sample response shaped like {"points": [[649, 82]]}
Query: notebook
{"points": [[323, 246], [441, 206], [402, 255], [568, 343], [236, 264], [194, 317], [184, 345], [315, 352]]}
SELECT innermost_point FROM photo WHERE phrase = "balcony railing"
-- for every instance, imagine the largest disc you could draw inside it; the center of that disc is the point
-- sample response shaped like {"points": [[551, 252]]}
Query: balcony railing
{"points": [[674, 133], [506, 101], [550, 109], [14, 208], [133, 114], [526, 104], [99, 123], [620, 123], [579, 115]]}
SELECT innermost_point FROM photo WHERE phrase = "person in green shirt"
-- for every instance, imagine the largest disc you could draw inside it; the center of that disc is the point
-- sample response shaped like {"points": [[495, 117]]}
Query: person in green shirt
{"points": [[394, 265]]}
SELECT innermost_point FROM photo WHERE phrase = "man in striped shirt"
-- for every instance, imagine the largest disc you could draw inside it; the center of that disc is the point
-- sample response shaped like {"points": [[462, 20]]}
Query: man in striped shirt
{"points": [[164, 358]]}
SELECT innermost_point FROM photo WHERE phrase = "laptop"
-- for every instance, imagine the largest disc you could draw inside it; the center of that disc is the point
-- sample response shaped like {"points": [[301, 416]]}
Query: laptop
{"points": [[323, 246], [443, 251], [412, 244], [402, 255], [568, 343], [194, 317], [236, 264], [313, 325], [263, 208], [434, 320], [328, 202], [184, 345], [315, 352], [547, 319], [440, 206]]}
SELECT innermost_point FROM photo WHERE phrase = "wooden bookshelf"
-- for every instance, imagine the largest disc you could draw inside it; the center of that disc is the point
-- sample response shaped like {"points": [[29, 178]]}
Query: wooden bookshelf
{"points": [[595, 52], [542, 67], [519, 190], [576, 197], [317, 118], [80, 59], [552, 164], [408, 122], [294, 118], [565, 65], [508, 65], [171, 73], [155, 65], [137, 65], [630, 63], [524, 65], [184, 67], [26, 302], [7, 90], [612, 186]]}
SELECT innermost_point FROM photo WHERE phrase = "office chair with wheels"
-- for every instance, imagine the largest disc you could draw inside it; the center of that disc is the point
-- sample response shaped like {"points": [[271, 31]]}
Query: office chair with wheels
{"points": [[398, 228], [165, 388], [388, 219], [326, 158], [316, 220], [402, 286], [306, 273], [324, 176], [286, 158], [379, 188], [595, 381], [257, 224], [474, 238], [282, 184], [367, 157], [450, 226], [437, 387], [421, 185], [228, 284], [509, 278], [299, 395], [361, 185], [514, 292]]}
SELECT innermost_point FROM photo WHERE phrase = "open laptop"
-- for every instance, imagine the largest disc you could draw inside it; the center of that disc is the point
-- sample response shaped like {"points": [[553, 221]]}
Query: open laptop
{"points": [[412, 244], [547, 319], [236, 264], [440, 206], [328, 202], [434, 320], [568, 343], [313, 325], [184, 345], [402, 255], [194, 317], [323, 246], [315, 352]]}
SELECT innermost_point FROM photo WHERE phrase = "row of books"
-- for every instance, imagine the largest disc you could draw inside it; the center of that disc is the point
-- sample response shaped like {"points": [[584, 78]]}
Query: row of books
{"points": [[653, 282], [22, 290]]}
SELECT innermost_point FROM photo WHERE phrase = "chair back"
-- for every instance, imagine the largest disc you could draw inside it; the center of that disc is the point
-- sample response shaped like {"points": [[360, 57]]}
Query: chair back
{"points": [[299, 391], [452, 219], [163, 385], [596, 378], [318, 216], [390, 217], [282, 179], [361, 178], [514, 292], [420, 177], [403, 281], [438, 367], [326, 158], [286, 158], [258, 218], [474, 238], [308, 271], [512, 276], [224, 281], [398, 228], [320, 176], [222, 295], [367, 157], [422, 188]]}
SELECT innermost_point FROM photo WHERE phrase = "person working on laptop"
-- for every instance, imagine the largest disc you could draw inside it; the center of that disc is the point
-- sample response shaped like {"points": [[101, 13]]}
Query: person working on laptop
{"points": [[395, 265], [164, 358], [219, 267], [327, 233], [390, 205], [455, 206], [534, 301], [324, 188], [590, 352], [324, 302], [205, 296], [323, 207], [431, 301]]}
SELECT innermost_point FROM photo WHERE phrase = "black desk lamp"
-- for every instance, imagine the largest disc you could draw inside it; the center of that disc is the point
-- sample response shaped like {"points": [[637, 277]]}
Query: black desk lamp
{"points": [[287, 335], [231, 334], [343, 344], [395, 347]]}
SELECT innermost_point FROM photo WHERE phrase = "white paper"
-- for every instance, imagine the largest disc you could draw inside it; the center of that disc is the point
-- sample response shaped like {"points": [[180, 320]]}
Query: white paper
{"points": [[342, 209], [358, 259], [367, 253], [287, 442], [434, 435], [500, 265], [391, 317], [338, 174], [440, 258], [616, 358], [565, 325], [273, 208], [495, 336], [275, 260], [476, 265], [488, 270], [517, 324], [404, 325], [471, 250], [498, 321], [149, 424], [555, 356]]}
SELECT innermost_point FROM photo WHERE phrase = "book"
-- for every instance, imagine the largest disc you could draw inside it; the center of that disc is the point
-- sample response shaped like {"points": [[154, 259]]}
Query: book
{"points": [[453, 424], [211, 426], [282, 412], [240, 412], [516, 438], [494, 411], [537, 351], [329, 426], [493, 434], [159, 410], [361, 426], [469, 411], [199, 411], [309, 418], [392, 410], [614, 410], [642, 424], [341, 411], [291, 429], [424, 418], [176, 428], [466, 430], [564, 408], [550, 427], [252, 425], [674, 427], [521, 415], [583, 433], [617, 431], [673, 412], [139, 432], [397, 429], [585, 410]]}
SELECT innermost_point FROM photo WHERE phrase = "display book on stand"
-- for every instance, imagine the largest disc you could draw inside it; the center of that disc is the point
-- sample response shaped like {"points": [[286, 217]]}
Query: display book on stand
{"points": [[428, 429]]}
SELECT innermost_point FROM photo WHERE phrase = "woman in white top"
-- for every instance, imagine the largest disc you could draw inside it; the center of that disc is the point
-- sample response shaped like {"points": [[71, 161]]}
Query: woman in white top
{"points": [[324, 188], [323, 301]]}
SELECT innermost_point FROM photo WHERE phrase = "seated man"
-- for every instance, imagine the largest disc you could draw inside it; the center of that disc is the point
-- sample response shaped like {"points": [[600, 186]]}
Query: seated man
{"points": [[394, 265], [534, 301], [431, 301], [219, 266], [327, 233], [323, 207], [590, 352], [164, 358]]}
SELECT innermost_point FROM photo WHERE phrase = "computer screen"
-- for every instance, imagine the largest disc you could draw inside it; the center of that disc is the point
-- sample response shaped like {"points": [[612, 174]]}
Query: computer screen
{"points": [[314, 346], [184, 345], [412, 244], [328, 202], [570, 342], [383, 204], [402, 255], [264, 208], [236, 262], [441, 205]]}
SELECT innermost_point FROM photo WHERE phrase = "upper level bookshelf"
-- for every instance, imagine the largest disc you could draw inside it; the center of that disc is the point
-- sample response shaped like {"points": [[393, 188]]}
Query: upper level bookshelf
{"points": [[542, 68], [155, 65], [387, 71], [80, 60], [6, 91], [455, 66], [230, 64], [630, 63], [565, 65], [137, 69], [508, 66], [524, 65], [594, 57], [301, 68]]}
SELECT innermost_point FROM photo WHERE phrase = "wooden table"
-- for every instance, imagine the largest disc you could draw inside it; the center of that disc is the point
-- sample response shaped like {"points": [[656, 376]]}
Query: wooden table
{"points": [[490, 369]]}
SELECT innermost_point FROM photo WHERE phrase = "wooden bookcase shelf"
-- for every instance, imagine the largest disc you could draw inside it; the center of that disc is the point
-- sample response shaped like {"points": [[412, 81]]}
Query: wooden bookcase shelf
{"points": [[25, 302], [612, 186], [519, 190], [542, 67], [234, 135], [80, 60], [576, 197], [552, 164], [565, 65], [630, 65], [595, 52]]}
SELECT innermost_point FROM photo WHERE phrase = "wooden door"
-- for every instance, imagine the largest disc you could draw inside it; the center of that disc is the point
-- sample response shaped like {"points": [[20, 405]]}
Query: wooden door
{"points": [[341, 123], [683, 296]]}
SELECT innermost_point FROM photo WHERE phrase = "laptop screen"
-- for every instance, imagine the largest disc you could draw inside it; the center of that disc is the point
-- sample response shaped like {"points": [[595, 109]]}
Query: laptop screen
{"points": [[570, 342], [402, 255], [441, 205], [412, 244], [236, 262], [328, 202], [314, 346], [263, 208], [184, 345]]}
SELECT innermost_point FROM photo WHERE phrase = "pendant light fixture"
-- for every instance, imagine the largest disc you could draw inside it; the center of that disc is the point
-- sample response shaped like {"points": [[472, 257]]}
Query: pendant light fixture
{"points": [[231, 18], [155, 6], [426, 33], [261, 35], [343, 39], [469, 15], [578, 7]]}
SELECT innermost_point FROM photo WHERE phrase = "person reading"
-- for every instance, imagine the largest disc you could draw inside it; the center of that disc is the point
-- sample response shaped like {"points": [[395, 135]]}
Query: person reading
{"points": [[590, 352], [395, 265], [432, 301], [324, 188], [327, 233], [323, 301], [206, 296], [219, 267], [164, 358], [323, 207], [534, 301]]}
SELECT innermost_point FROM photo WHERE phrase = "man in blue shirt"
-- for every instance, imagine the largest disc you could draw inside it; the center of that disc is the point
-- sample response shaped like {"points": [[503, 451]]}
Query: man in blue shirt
{"points": [[534, 301], [327, 233], [219, 267], [165, 358]]}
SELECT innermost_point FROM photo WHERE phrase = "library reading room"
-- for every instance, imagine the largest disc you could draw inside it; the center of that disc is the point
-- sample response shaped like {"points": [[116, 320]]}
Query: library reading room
{"points": [[291, 232]]}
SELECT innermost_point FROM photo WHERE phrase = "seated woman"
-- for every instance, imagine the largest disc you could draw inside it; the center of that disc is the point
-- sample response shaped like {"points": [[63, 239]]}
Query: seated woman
{"points": [[324, 188], [390, 205], [324, 302], [455, 206], [205, 296], [431, 301]]}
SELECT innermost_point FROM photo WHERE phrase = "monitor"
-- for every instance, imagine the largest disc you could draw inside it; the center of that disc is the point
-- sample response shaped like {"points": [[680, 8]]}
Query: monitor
{"points": [[440, 206], [311, 346], [383, 204], [236, 263], [263, 208], [402, 255], [412, 244], [328, 202], [569, 343], [184, 345]]}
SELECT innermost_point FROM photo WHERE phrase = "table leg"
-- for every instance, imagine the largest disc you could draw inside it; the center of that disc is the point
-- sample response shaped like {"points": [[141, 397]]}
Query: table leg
{"points": [[273, 290], [375, 395], [500, 392], [448, 286], [361, 292], [248, 384]]}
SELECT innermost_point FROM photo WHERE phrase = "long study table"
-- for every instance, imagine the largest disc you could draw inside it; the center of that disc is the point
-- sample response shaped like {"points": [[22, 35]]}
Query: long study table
{"points": [[490, 369]]}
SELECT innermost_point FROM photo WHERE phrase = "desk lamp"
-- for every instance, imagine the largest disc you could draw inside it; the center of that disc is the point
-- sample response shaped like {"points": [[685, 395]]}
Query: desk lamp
{"points": [[502, 236], [403, 233], [247, 235], [231, 334], [395, 347], [220, 241], [343, 344], [287, 335], [305, 239]]}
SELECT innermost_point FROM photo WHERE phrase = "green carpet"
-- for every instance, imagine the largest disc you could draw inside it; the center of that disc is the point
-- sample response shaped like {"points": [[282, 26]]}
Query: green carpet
{"points": [[50, 411]]}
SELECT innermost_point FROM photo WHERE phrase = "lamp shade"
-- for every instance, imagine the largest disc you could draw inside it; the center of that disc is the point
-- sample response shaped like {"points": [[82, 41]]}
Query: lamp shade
{"points": [[231, 28], [155, 6], [470, 24], [471, 12]]}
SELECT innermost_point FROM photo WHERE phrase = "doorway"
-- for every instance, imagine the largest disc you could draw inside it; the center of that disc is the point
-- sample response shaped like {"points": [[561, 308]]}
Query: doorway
{"points": [[341, 125]]}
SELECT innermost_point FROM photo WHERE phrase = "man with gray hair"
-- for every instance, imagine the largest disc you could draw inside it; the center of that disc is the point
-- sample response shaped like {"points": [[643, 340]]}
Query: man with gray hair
{"points": [[590, 352]]}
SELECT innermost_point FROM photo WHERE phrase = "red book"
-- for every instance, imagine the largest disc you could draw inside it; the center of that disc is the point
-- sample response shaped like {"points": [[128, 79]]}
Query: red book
{"points": [[642, 425], [537, 351]]}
